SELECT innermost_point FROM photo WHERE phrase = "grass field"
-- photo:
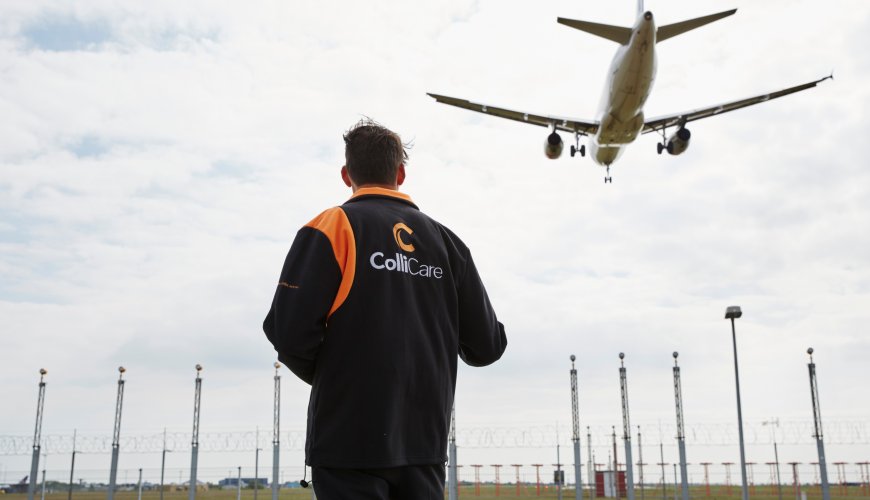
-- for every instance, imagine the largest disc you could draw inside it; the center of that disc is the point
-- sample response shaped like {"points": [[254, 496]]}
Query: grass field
{"points": [[487, 492]]}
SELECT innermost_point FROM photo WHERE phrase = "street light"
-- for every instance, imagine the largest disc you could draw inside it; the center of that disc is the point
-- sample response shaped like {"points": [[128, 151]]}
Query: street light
{"points": [[732, 313]]}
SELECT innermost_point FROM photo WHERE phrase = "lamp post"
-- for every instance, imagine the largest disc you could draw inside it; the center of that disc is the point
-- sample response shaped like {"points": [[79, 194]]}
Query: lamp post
{"points": [[732, 313]]}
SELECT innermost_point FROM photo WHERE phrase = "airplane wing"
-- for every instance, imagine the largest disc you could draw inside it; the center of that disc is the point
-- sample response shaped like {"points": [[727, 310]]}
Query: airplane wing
{"points": [[582, 127], [661, 122]]}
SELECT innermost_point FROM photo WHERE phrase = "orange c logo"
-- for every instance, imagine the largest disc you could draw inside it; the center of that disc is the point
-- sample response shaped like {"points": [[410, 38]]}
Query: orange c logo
{"points": [[397, 229]]}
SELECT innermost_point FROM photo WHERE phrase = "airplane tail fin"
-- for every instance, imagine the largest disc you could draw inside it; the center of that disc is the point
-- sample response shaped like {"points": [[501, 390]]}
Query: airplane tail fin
{"points": [[672, 30], [616, 34]]}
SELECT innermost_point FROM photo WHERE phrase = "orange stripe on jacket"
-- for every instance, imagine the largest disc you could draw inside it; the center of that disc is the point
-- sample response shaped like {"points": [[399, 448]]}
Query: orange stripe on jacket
{"points": [[334, 224]]}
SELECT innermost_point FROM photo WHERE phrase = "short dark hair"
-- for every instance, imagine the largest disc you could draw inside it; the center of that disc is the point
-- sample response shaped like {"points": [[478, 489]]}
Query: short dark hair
{"points": [[373, 153]]}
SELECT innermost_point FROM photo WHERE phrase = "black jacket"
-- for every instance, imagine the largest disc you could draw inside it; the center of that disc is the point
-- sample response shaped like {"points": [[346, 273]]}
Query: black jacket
{"points": [[374, 303]]}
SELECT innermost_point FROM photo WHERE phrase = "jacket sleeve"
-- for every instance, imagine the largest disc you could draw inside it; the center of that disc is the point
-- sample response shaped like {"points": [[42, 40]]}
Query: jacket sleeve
{"points": [[305, 293], [481, 336]]}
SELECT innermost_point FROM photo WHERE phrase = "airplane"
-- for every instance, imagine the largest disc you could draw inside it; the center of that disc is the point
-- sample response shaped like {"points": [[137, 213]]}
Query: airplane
{"points": [[629, 82], [20, 487]]}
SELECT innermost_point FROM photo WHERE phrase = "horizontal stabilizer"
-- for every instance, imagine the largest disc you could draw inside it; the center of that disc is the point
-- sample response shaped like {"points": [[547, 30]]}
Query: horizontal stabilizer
{"points": [[672, 30], [616, 34]]}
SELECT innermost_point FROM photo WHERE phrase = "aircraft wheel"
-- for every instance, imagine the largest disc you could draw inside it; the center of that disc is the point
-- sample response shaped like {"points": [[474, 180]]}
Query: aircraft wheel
{"points": [[573, 151], [659, 147]]}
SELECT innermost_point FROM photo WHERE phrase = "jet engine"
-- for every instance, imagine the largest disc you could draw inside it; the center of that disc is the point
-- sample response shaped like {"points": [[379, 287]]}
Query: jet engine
{"points": [[679, 142], [553, 146]]}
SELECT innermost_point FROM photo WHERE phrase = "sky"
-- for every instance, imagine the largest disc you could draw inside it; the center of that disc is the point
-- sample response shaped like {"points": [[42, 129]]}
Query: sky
{"points": [[157, 158]]}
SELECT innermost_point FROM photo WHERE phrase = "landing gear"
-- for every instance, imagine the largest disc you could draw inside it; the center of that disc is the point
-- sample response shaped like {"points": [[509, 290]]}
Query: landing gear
{"points": [[578, 148], [660, 147], [607, 178]]}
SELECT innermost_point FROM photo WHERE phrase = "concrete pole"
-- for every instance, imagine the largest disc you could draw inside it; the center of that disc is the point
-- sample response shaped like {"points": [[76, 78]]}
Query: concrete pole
{"points": [[575, 421], [139, 486], [116, 436], [681, 435], [558, 465], [626, 428], [590, 464], [276, 433], [239, 485], [256, 462], [452, 479], [37, 436], [194, 443], [72, 467], [817, 419], [162, 463], [662, 464], [640, 463]]}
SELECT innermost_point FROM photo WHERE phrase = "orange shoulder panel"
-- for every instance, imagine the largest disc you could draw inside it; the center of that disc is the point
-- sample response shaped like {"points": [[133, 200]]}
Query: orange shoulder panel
{"points": [[334, 224]]}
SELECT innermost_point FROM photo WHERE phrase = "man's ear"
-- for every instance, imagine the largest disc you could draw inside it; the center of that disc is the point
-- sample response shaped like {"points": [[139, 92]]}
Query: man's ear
{"points": [[346, 176], [400, 175]]}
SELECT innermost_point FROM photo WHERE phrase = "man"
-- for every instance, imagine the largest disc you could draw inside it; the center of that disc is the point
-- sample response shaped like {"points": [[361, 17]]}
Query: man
{"points": [[373, 305]]}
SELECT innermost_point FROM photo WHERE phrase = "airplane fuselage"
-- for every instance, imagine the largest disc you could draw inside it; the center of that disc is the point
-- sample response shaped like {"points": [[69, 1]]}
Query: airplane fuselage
{"points": [[629, 83]]}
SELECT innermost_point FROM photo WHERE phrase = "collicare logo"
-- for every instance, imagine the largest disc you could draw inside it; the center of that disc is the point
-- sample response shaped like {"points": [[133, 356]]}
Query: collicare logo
{"points": [[397, 234], [402, 263]]}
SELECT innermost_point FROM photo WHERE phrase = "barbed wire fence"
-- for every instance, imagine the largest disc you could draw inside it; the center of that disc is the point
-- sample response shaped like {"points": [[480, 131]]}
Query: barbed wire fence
{"points": [[703, 439], [837, 432]]}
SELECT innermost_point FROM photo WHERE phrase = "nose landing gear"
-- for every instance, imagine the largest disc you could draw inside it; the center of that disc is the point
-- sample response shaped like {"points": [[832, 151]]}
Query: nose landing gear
{"points": [[607, 178]]}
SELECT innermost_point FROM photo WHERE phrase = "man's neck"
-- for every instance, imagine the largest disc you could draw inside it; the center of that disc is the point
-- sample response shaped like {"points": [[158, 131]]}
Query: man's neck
{"points": [[356, 188]]}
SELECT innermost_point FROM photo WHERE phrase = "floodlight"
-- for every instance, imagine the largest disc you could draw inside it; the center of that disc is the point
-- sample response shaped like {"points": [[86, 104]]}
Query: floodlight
{"points": [[733, 312]]}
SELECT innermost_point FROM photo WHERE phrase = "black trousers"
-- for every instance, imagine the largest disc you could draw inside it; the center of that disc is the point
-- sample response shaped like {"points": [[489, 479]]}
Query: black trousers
{"points": [[413, 482]]}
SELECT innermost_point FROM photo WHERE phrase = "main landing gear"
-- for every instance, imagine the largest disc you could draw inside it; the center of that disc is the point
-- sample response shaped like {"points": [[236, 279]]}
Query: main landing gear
{"points": [[578, 148]]}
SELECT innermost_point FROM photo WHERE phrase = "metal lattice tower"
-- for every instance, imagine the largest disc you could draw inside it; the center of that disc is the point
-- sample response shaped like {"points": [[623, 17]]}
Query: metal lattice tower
{"points": [[817, 420], [116, 435], [194, 442], [626, 428], [276, 433], [575, 421], [37, 436], [681, 435], [452, 480]]}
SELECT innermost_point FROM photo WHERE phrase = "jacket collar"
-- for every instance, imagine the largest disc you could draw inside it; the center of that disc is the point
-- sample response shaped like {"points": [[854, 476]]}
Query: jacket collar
{"points": [[382, 193]]}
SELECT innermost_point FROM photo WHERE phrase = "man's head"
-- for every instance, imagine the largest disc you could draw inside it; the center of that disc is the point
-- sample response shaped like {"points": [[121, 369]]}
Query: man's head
{"points": [[374, 156]]}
